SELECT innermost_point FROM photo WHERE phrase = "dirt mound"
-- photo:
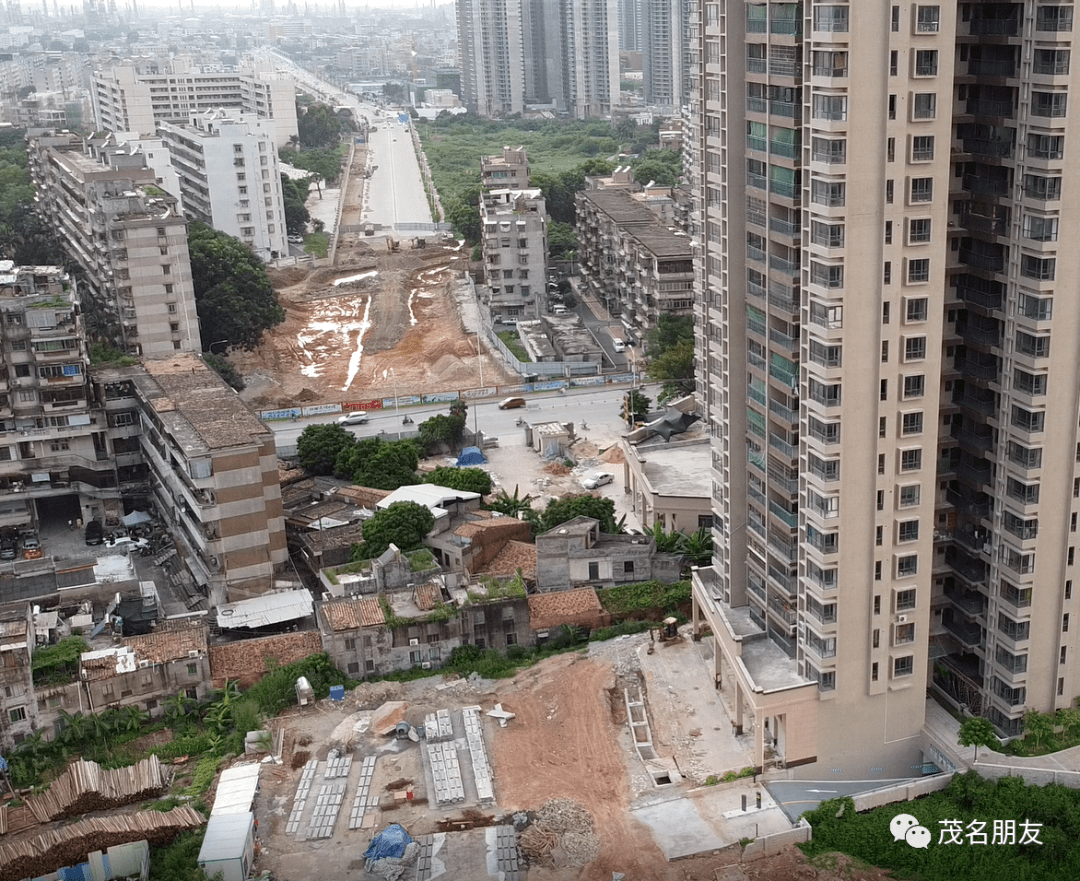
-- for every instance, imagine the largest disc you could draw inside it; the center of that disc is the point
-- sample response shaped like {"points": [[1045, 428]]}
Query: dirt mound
{"points": [[557, 469], [613, 456]]}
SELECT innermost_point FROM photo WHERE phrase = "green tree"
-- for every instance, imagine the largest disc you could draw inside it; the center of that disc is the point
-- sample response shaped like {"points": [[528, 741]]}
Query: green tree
{"points": [[404, 524], [1038, 726], [636, 406], [225, 370], [666, 542], [133, 718], [513, 506], [176, 707], [567, 508], [318, 126], [233, 295], [442, 428], [319, 446], [662, 167], [294, 193], [698, 547], [674, 368], [379, 464], [324, 164], [561, 240], [977, 731], [475, 480]]}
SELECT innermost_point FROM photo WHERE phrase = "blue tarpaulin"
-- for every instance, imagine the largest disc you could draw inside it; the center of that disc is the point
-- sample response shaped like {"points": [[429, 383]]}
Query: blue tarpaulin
{"points": [[471, 456], [390, 842]]}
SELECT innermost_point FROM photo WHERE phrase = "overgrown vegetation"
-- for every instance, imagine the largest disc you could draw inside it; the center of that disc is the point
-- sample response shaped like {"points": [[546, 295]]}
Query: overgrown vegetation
{"points": [[179, 861], [671, 356], [317, 244], [475, 480], [58, 663], [623, 600], [105, 355], [403, 524], [225, 370], [513, 342], [968, 798], [24, 237]]}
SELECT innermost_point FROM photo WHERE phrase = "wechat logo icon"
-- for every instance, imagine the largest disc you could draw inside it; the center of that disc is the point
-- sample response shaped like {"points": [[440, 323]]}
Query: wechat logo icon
{"points": [[906, 827]]}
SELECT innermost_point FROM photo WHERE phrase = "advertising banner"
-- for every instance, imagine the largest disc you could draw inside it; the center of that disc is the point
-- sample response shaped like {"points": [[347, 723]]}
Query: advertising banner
{"points": [[321, 409], [440, 398], [480, 392], [352, 406], [272, 415], [402, 401], [585, 381]]}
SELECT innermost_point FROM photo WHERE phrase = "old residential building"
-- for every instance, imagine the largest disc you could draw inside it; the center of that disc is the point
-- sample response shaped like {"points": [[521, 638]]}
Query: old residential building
{"points": [[514, 229], [506, 171], [18, 718], [577, 553], [630, 260], [668, 481], [128, 238], [229, 177]]}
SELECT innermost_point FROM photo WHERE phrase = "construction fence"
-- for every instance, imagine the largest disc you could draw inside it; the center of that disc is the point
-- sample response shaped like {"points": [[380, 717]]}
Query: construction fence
{"points": [[399, 402]]}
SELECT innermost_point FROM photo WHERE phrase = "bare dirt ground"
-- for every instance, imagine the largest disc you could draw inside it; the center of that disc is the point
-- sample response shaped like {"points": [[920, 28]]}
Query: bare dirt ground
{"points": [[563, 743], [336, 341]]}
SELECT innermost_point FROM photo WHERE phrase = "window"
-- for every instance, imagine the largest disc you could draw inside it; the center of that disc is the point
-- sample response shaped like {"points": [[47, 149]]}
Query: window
{"points": [[916, 309], [884, 353], [904, 634], [918, 271], [874, 672], [1053, 18], [827, 275], [894, 62], [1051, 62], [829, 107], [1065, 623], [927, 19], [890, 150], [908, 530], [886, 272], [353, 668], [1046, 189], [892, 106], [1029, 344], [832, 19], [1048, 104], [922, 148], [1033, 384], [830, 64], [594, 571], [1040, 229], [889, 191], [922, 189], [907, 566], [914, 386], [926, 62], [832, 151], [915, 348], [1045, 146], [919, 230], [904, 666], [879, 536], [924, 106], [18, 714], [912, 423], [828, 235], [828, 193], [910, 460], [909, 496], [1026, 493], [628, 567]]}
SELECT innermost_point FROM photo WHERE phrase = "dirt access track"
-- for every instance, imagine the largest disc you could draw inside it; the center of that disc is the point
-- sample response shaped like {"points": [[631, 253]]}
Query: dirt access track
{"points": [[388, 311]]}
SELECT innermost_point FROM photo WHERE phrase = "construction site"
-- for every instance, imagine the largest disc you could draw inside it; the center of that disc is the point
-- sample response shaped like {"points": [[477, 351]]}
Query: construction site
{"points": [[586, 765]]}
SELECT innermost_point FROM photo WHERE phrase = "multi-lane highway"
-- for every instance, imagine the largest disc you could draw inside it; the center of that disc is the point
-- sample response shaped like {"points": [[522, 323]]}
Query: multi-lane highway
{"points": [[395, 192], [598, 407]]}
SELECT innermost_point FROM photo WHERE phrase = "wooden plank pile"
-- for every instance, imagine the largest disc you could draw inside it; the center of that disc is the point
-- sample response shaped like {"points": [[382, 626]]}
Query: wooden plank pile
{"points": [[16, 819], [86, 786], [71, 844]]}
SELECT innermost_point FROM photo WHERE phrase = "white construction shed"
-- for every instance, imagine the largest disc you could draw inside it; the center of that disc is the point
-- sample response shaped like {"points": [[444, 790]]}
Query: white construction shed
{"points": [[236, 790], [229, 846]]}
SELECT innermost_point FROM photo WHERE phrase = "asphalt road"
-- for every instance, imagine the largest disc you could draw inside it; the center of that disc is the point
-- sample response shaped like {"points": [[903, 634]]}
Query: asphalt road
{"points": [[597, 407]]}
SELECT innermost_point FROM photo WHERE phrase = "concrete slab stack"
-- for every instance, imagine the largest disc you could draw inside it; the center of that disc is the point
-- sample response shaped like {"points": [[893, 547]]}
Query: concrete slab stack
{"points": [[337, 765], [363, 801], [438, 726], [325, 814], [474, 736], [307, 776], [502, 843], [445, 772]]}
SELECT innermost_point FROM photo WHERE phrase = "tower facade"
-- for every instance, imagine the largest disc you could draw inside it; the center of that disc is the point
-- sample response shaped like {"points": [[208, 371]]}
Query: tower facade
{"points": [[880, 279]]}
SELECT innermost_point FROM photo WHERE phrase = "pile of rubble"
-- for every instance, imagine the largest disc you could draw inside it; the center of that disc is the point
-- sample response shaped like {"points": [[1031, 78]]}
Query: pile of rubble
{"points": [[561, 836]]}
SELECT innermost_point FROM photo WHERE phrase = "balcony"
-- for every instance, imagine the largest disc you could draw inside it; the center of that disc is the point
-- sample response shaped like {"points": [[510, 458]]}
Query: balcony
{"points": [[1004, 67], [783, 480], [980, 185], [785, 227], [990, 107], [785, 109], [791, 451], [782, 264], [996, 224], [785, 413], [977, 506], [988, 261], [791, 518], [980, 331], [979, 472], [969, 634], [967, 601], [986, 24], [972, 570], [978, 365]]}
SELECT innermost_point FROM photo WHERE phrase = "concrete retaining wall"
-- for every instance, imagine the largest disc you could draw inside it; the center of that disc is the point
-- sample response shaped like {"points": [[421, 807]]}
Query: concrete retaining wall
{"points": [[900, 792], [769, 845], [1037, 776]]}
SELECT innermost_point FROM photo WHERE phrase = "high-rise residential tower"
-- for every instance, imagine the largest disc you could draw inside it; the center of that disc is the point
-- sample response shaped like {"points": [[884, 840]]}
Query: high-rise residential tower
{"points": [[883, 334], [665, 50], [492, 56]]}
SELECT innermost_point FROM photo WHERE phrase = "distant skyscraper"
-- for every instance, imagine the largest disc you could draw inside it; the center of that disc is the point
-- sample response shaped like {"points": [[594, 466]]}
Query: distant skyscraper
{"points": [[492, 54], [664, 57], [630, 25]]}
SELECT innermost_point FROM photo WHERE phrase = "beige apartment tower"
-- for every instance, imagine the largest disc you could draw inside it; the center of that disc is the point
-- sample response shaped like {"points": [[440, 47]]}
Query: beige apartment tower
{"points": [[879, 196]]}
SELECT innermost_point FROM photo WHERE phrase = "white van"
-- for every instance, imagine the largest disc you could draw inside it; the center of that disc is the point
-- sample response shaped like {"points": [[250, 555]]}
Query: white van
{"points": [[559, 309], [618, 345]]}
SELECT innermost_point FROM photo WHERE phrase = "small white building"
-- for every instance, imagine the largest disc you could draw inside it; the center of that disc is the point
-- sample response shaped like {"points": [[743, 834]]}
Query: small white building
{"points": [[229, 176], [229, 846]]}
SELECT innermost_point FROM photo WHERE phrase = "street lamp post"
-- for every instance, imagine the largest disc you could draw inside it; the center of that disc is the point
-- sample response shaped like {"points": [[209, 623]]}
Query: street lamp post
{"points": [[397, 412], [210, 348], [480, 361]]}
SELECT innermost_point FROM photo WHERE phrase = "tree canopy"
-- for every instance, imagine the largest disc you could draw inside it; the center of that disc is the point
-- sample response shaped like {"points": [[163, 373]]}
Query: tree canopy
{"points": [[379, 464], [319, 446], [671, 355], [977, 731], [319, 126], [233, 295], [325, 164], [225, 370], [474, 480], [294, 193], [442, 428], [403, 524], [567, 508], [24, 238]]}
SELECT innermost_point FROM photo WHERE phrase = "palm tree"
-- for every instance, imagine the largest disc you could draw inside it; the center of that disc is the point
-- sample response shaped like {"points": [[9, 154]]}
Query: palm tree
{"points": [[176, 707], [666, 542], [98, 728], [698, 547], [74, 727], [512, 506]]}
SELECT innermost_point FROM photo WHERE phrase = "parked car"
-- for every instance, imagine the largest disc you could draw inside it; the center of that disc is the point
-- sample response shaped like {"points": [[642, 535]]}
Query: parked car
{"points": [[359, 417], [296, 240], [597, 480], [9, 544], [560, 309], [618, 345], [95, 532], [31, 547], [511, 403]]}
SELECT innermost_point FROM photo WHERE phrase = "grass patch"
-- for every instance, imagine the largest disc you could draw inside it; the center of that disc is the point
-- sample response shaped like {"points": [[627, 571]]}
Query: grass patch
{"points": [[420, 560], [644, 596], [317, 244], [513, 342]]}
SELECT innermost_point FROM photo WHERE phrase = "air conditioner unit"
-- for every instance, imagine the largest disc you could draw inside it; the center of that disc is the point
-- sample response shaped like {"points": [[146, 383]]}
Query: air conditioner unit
{"points": [[426, 665], [143, 663], [414, 642], [901, 619], [194, 653]]}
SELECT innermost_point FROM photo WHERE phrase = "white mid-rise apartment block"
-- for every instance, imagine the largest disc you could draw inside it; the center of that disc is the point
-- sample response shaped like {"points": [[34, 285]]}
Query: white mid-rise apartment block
{"points": [[514, 241], [229, 177], [886, 324], [136, 96]]}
